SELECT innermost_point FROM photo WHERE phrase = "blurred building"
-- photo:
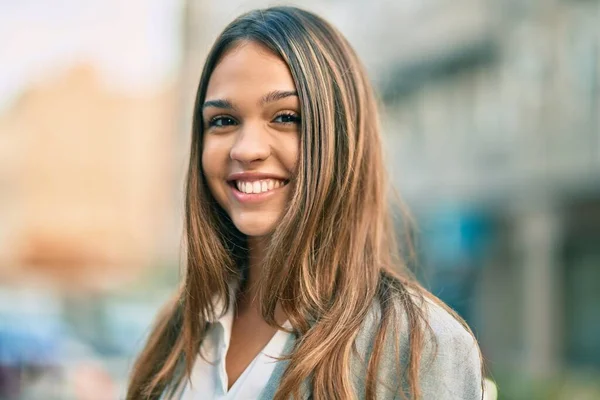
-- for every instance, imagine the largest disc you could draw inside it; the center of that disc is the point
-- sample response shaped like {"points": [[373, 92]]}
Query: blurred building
{"points": [[502, 118], [89, 190], [86, 180]]}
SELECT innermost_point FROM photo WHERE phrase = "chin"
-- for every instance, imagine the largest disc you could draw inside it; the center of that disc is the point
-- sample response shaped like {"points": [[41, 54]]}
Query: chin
{"points": [[255, 226]]}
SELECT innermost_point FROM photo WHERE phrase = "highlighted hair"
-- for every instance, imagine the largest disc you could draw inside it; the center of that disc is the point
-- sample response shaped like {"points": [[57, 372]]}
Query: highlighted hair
{"points": [[333, 254]]}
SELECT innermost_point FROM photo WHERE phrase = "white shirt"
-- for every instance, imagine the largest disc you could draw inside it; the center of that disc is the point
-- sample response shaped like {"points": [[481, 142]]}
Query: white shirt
{"points": [[210, 381]]}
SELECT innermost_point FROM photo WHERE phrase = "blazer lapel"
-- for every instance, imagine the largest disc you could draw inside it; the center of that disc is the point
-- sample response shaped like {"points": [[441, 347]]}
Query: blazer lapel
{"points": [[273, 383]]}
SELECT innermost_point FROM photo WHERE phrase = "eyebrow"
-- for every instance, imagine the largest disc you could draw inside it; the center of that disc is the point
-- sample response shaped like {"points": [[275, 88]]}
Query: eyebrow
{"points": [[220, 103], [277, 95], [270, 97]]}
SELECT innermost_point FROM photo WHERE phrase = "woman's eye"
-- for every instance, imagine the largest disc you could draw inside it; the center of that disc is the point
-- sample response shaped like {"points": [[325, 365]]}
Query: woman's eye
{"points": [[221, 121], [287, 119]]}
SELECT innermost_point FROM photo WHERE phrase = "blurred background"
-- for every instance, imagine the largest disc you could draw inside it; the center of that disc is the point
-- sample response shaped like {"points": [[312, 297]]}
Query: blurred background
{"points": [[491, 115]]}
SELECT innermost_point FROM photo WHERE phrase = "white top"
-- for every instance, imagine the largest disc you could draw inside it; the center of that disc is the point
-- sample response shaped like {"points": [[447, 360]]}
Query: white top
{"points": [[210, 381]]}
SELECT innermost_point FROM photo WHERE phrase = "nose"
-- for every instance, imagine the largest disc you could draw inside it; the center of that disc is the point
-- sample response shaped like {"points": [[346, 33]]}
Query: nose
{"points": [[251, 144]]}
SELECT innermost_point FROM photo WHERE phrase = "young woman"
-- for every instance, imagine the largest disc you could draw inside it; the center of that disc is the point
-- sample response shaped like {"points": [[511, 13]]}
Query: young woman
{"points": [[293, 288]]}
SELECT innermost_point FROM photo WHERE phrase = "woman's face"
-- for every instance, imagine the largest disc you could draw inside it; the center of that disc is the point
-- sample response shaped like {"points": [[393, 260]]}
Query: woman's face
{"points": [[251, 121]]}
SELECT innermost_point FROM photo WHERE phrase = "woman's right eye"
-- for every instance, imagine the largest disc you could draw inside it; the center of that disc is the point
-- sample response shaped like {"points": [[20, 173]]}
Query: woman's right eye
{"points": [[221, 122]]}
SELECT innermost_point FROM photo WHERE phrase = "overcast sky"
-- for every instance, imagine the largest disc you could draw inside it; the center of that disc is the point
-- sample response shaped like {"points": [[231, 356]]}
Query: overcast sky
{"points": [[134, 43]]}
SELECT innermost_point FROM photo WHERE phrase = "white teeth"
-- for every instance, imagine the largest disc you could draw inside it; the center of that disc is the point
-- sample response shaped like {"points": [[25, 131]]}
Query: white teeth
{"points": [[258, 186]]}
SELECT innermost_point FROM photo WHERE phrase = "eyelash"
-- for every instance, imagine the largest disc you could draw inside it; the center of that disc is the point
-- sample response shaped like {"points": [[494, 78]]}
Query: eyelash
{"points": [[213, 121], [295, 119]]}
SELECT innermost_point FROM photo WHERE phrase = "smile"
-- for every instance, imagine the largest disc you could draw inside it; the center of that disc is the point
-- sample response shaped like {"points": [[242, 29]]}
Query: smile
{"points": [[258, 186]]}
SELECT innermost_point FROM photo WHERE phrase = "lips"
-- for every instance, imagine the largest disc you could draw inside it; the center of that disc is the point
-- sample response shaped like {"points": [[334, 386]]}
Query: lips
{"points": [[258, 186], [255, 186]]}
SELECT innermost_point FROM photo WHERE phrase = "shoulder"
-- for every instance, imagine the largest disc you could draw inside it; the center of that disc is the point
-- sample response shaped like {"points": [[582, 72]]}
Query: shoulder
{"points": [[440, 323], [451, 335], [450, 363]]}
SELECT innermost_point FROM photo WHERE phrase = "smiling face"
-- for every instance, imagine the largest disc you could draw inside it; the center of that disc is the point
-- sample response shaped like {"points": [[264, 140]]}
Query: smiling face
{"points": [[251, 121]]}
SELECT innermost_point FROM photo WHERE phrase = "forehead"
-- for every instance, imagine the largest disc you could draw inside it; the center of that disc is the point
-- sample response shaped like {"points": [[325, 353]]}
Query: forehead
{"points": [[248, 67]]}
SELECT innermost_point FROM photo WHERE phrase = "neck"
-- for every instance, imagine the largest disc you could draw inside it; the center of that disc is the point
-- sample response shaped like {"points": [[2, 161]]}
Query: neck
{"points": [[257, 247], [248, 302]]}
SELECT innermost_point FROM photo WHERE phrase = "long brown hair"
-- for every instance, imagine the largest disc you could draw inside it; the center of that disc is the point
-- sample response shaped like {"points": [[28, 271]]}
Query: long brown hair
{"points": [[333, 254]]}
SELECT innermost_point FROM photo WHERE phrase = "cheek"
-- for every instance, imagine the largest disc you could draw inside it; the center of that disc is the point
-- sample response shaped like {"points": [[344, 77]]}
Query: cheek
{"points": [[212, 158], [206, 166], [212, 166], [290, 153]]}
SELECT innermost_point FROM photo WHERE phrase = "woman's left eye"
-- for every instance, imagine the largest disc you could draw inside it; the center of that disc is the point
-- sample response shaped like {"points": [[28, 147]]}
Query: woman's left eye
{"points": [[287, 119]]}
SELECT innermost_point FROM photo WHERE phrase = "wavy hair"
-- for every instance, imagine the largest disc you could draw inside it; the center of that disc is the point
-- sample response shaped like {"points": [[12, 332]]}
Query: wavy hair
{"points": [[332, 255]]}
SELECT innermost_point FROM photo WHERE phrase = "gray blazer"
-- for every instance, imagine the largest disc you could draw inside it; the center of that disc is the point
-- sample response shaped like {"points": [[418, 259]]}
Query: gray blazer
{"points": [[453, 372]]}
